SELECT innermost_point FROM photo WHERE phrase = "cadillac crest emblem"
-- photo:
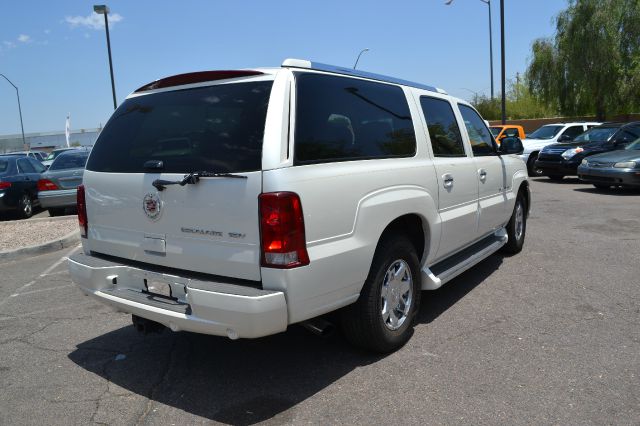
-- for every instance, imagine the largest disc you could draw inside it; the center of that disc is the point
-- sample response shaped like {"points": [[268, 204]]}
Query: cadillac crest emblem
{"points": [[152, 206]]}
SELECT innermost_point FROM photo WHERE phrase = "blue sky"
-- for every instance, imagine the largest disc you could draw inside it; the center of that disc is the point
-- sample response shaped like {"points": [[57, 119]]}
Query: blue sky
{"points": [[55, 52]]}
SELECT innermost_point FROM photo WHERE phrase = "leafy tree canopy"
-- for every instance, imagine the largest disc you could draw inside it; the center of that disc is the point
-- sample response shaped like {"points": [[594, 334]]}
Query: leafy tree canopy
{"points": [[592, 64]]}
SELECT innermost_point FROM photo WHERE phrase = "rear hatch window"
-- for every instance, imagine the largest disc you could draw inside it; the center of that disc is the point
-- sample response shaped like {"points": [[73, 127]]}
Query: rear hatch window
{"points": [[70, 161], [216, 128]]}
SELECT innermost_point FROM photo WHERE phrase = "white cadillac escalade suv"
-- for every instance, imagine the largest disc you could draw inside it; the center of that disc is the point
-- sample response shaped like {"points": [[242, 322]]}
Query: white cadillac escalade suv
{"points": [[236, 203]]}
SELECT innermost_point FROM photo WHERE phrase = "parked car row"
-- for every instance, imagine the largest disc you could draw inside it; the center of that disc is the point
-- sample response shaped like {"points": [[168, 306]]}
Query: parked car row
{"points": [[604, 155], [25, 183]]}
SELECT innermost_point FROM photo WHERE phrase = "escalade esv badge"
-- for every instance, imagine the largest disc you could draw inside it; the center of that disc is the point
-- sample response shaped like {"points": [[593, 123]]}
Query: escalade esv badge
{"points": [[152, 206]]}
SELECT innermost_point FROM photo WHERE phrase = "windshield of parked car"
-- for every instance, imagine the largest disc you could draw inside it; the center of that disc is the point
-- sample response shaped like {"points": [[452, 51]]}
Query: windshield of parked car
{"points": [[215, 128], [596, 134], [495, 131], [70, 160], [634, 145], [4, 166], [545, 132]]}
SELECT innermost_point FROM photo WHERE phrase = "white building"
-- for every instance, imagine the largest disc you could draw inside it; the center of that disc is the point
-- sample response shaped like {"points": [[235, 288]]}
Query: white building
{"points": [[46, 141]]}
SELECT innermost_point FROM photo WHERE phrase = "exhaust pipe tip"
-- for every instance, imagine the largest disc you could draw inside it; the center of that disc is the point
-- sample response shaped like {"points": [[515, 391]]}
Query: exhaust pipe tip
{"points": [[145, 326], [319, 326]]}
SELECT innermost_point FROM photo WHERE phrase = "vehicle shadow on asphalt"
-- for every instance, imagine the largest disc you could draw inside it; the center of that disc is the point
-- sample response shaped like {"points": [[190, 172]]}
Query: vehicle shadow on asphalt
{"points": [[246, 381], [435, 303], [565, 181], [236, 382], [618, 192]]}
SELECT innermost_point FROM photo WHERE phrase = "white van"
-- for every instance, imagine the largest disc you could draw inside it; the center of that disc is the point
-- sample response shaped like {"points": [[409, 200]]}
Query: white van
{"points": [[236, 203]]}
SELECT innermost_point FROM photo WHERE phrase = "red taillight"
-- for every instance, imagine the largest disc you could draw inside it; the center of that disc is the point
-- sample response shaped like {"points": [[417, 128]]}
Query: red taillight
{"points": [[82, 212], [282, 230], [46, 185], [5, 185]]}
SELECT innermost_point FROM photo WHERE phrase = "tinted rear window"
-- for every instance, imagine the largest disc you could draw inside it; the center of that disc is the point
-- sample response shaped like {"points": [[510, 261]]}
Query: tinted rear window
{"points": [[444, 132], [70, 161], [341, 119], [216, 128]]}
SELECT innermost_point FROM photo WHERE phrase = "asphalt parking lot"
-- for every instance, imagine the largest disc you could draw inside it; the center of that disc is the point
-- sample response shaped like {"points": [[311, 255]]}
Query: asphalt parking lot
{"points": [[548, 336]]}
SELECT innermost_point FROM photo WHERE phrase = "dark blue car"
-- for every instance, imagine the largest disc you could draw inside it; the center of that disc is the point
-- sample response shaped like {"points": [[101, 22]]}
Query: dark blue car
{"points": [[19, 176]]}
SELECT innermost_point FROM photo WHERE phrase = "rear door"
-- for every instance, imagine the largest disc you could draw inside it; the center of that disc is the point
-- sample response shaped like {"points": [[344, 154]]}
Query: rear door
{"points": [[28, 176], [456, 173], [211, 226]]}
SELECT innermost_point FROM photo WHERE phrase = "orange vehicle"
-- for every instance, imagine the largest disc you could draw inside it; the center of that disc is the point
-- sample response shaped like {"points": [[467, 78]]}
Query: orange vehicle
{"points": [[501, 131]]}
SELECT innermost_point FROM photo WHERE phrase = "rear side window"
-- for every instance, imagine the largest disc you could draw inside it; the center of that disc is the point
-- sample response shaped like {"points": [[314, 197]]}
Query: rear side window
{"points": [[70, 161], [39, 168], [511, 133], [443, 127], [482, 143], [573, 131], [24, 166], [4, 166], [342, 119], [215, 128]]}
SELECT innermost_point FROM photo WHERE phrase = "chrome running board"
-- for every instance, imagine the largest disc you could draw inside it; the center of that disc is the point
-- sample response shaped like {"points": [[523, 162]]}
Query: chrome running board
{"points": [[447, 269]]}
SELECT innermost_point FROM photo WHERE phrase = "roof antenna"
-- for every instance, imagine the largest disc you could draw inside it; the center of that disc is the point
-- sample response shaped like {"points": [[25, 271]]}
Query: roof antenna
{"points": [[360, 54]]}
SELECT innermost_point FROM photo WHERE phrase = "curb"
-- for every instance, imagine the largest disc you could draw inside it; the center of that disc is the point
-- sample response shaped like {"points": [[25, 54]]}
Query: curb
{"points": [[48, 247], [40, 219]]}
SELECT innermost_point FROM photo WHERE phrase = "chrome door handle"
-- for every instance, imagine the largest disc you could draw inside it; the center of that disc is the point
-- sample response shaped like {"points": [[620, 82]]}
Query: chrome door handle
{"points": [[482, 173], [447, 180]]}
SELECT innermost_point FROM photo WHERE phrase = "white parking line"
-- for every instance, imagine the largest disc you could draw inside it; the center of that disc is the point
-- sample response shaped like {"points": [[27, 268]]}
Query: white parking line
{"points": [[43, 274], [41, 290], [59, 261]]}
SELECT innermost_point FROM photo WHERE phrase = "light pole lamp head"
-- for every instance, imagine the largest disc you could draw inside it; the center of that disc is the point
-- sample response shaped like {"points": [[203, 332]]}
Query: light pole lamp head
{"points": [[101, 9]]}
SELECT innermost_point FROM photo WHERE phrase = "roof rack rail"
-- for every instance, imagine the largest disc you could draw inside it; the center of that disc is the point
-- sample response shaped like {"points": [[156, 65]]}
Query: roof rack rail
{"points": [[306, 64]]}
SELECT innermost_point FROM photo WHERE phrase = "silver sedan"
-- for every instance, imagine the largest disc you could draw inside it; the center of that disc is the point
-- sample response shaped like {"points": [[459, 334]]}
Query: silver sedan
{"points": [[58, 186]]}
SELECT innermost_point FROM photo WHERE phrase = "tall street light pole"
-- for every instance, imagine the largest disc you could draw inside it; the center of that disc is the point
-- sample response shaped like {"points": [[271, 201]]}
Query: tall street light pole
{"points": [[488, 3], [504, 95], [102, 9], [360, 54], [24, 142]]}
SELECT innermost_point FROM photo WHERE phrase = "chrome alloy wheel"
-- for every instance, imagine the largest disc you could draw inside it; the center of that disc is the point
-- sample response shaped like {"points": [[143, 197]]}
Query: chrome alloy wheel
{"points": [[27, 207], [519, 222], [396, 295]]}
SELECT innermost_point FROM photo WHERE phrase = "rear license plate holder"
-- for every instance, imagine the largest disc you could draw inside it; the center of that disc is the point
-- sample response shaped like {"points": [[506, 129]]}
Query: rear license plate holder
{"points": [[159, 288]]}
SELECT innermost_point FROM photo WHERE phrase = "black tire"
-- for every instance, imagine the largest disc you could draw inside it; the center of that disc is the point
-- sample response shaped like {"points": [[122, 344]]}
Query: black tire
{"points": [[56, 211], [25, 206], [556, 178], [531, 166], [363, 322], [516, 237], [602, 186]]}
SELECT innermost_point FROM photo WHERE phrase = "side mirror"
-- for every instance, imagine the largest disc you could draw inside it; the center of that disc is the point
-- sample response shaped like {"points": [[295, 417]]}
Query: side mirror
{"points": [[511, 145], [565, 138]]}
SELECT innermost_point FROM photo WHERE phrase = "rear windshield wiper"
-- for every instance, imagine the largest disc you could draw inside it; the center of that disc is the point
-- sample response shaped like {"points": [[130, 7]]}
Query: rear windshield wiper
{"points": [[192, 178]]}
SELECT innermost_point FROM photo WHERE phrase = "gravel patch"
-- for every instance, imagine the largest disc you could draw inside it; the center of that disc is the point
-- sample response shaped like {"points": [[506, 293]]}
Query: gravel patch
{"points": [[25, 233]]}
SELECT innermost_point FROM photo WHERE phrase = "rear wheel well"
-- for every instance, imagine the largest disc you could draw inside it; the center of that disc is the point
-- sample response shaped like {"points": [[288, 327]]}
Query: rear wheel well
{"points": [[411, 226]]}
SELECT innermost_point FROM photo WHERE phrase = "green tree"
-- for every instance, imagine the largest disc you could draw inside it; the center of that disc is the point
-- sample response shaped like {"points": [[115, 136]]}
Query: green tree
{"points": [[520, 104], [592, 63]]}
